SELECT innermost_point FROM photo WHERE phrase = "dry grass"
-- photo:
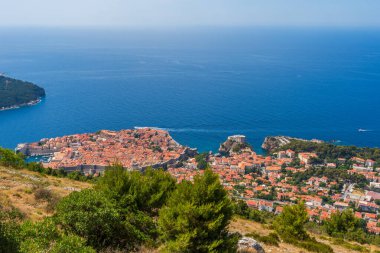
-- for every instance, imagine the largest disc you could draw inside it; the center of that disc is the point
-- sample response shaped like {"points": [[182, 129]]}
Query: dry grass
{"points": [[18, 188], [143, 249], [147, 250], [245, 227], [247, 251]]}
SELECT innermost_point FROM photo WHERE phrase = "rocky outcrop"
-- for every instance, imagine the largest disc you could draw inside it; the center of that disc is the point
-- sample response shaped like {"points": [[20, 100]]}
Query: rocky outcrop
{"points": [[274, 142], [234, 143], [247, 244]]}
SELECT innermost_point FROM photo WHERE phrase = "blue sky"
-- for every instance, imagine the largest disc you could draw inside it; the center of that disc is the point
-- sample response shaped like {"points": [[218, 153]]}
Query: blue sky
{"points": [[173, 13]]}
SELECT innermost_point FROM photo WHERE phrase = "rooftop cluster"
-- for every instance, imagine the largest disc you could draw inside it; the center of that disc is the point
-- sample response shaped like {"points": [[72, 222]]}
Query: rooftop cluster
{"points": [[270, 182], [130, 148]]}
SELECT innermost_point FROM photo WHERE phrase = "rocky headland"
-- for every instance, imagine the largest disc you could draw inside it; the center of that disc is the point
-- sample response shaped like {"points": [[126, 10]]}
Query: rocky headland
{"points": [[234, 144], [274, 142]]}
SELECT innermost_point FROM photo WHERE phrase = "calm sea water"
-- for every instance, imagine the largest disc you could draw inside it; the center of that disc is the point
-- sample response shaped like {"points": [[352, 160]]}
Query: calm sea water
{"points": [[200, 84]]}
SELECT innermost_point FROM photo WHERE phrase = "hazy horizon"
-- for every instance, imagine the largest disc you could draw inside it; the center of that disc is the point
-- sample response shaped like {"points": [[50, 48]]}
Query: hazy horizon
{"points": [[185, 13]]}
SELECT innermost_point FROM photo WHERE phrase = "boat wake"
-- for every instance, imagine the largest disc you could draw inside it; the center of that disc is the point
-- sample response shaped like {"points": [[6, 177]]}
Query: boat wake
{"points": [[196, 130], [364, 130], [146, 127]]}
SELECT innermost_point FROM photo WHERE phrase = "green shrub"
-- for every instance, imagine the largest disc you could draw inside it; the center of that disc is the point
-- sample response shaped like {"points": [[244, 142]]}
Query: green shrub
{"points": [[9, 158], [8, 236], [241, 208], [71, 244], [43, 194], [310, 244], [316, 246], [290, 225], [348, 245], [291, 222], [46, 237], [271, 239], [146, 192], [52, 203], [91, 215], [202, 161], [196, 217], [342, 223]]}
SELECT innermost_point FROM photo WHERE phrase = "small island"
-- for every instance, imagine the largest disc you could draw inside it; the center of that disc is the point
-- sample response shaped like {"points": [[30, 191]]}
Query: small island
{"points": [[16, 93]]}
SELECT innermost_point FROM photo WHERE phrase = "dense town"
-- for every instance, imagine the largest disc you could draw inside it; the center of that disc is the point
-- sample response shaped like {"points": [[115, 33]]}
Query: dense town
{"points": [[92, 153], [264, 182]]}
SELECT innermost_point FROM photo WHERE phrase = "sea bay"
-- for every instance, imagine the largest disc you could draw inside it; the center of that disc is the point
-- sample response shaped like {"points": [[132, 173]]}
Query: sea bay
{"points": [[200, 84]]}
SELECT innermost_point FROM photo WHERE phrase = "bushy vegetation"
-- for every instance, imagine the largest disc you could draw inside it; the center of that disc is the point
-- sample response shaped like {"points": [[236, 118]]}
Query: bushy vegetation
{"points": [[196, 217], [328, 152], [129, 209], [126, 210], [43, 194], [340, 224], [271, 239], [347, 245], [15, 92], [332, 152], [8, 234], [339, 175], [202, 163], [45, 236], [344, 225], [290, 225], [241, 208], [240, 146], [8, 158], [310, 244]]}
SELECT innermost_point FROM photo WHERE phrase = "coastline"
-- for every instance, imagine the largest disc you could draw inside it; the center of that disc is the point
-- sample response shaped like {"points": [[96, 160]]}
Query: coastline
{"points": [[139, 149], [31, 103], [52, 146]]}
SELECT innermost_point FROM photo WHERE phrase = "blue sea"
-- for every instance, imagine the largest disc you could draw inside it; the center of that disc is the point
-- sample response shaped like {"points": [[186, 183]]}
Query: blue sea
{"points": [[201, 84]]}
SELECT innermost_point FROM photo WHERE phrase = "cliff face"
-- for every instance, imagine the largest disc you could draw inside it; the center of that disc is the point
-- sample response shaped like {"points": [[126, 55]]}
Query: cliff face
{"points": [[274, 142], [234, 143], [15, 93]]}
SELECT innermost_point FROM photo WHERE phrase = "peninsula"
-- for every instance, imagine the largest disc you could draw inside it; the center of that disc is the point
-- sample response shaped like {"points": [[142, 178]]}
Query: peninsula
{"points": [[93, 152], [16, 93]]}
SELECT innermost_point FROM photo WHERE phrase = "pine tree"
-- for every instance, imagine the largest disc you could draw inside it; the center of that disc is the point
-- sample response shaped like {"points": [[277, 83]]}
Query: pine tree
{"points": [[290, 223], [196, 217]]}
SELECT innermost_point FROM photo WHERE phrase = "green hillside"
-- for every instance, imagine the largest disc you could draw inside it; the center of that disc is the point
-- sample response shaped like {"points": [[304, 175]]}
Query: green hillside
{"points": [[45, 210], [15, 92]]}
